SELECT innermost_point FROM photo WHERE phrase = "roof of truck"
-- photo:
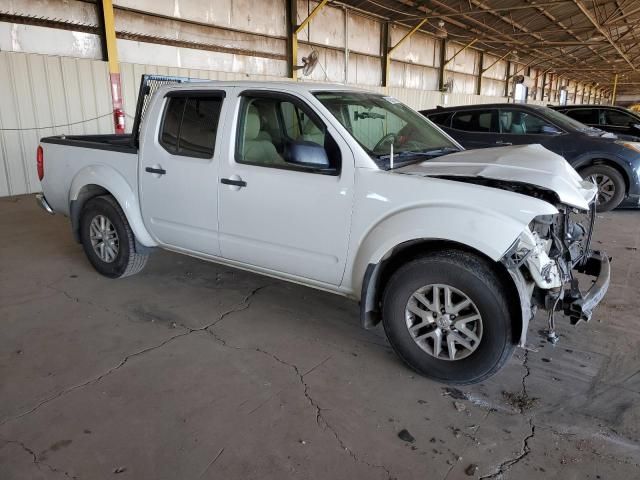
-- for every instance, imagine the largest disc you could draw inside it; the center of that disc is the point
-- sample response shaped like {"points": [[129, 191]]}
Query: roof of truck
{"points": [[289, 85]]}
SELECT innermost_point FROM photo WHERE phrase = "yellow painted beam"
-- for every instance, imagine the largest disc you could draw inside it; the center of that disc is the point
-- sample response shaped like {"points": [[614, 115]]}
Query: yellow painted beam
{"points": [[110, 36], [460, 51], [494, 63], [409, 33], [114, 66], [313, 13], [294, 35], [387, 55]]}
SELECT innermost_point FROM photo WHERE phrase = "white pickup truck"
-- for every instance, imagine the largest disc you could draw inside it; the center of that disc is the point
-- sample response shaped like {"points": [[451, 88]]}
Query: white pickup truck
{"points": [[346, 191]]}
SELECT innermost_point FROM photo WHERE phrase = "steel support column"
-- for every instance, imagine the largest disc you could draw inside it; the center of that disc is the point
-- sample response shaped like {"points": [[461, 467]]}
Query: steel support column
{"points": [[114, 66], [384, 43], [480, 72]]}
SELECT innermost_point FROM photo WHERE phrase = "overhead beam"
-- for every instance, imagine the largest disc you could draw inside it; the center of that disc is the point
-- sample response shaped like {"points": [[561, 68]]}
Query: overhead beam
{"points": [[609, 21], [585, 11]]}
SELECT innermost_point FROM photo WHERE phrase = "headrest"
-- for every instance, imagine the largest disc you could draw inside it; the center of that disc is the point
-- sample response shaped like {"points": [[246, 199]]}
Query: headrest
{"points": [[252, 124]]}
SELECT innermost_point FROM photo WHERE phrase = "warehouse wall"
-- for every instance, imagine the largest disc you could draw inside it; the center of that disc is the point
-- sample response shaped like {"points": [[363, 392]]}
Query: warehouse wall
{"points": [[52, 95], [54, 80]]}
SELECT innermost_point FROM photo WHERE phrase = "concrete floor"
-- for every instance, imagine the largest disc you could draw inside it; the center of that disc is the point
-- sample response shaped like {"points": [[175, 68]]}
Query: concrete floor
{"points": [[192, 370]]}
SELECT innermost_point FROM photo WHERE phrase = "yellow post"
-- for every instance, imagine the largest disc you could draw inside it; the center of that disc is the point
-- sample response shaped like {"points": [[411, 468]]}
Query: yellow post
{"points": [[460, 51], [114, 66], [294, 37], [615, 87], [387, 56]]}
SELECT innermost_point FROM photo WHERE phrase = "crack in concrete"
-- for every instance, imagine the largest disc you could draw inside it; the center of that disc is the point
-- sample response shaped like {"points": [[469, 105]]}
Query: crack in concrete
{"points": [[525, 449], [38, 462], [243, 305], [215, 459], [320, 419]]}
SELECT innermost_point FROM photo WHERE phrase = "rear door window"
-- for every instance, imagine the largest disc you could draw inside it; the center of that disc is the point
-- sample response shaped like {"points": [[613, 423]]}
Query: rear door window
{"points": [[442, 119], [481, 121], [190, 125]]}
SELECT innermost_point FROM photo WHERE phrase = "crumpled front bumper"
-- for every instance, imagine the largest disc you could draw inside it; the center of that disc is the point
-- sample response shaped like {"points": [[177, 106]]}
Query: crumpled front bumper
{"points": [[579, 306]]}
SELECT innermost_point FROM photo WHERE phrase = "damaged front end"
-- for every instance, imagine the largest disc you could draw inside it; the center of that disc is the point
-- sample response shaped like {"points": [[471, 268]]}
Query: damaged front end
{"points": [[547, 262]]}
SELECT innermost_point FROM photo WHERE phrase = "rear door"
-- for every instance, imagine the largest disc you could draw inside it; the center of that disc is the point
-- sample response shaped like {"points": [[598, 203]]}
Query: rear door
{"points": [[275, 215], [477, 128], [178, 171]]}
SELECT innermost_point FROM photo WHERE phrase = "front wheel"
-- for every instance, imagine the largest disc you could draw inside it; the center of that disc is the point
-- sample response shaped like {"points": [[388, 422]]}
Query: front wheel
{"points": [[446, 315], [108, 240]]}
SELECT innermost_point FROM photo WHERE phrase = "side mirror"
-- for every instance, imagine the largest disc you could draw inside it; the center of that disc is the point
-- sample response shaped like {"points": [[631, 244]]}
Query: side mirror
{"points": [[309, 155], [549, 130], [635, 125]]}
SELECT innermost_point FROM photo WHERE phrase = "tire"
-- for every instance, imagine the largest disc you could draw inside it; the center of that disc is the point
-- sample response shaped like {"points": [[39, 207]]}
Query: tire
{"points": [[613, 182], [468, 276], [124, 259]]}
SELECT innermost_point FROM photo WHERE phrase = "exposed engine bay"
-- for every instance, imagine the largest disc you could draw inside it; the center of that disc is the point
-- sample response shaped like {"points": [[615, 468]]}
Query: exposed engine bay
{"points": [[547, 258], [551, 255]]}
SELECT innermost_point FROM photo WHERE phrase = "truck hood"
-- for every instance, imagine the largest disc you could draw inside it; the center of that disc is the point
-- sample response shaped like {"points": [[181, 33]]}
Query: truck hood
{"points": [[522, 164]]}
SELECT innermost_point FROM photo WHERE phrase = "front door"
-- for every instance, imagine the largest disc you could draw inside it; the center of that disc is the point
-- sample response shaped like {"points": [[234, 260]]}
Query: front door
{"points": [[178, 172], [519, 127], [278, 216]]}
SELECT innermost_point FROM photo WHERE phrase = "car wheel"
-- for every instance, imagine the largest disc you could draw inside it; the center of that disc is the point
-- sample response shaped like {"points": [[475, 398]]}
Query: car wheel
{"points": [[610, 183], [446, 315], [107, 239]]}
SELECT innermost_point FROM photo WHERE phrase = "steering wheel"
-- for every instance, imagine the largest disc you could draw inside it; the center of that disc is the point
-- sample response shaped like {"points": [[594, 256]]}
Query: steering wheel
{"points": [[388, 137]]}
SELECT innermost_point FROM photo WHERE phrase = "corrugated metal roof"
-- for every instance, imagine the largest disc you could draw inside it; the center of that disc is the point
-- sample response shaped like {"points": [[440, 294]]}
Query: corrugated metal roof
{"points": [[590, 39]]}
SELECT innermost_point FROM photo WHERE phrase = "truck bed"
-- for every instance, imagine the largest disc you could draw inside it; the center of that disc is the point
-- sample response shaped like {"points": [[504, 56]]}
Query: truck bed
{"points": [[117, 143]]}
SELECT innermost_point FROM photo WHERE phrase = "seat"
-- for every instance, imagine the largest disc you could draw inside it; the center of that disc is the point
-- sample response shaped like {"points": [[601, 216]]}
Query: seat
{"points": [[257, 148], [517, 128]]}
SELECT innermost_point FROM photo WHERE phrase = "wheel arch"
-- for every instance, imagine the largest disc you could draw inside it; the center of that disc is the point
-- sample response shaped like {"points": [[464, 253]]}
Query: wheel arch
{"points": [[610, 162], [100, 180], [378, 274]]}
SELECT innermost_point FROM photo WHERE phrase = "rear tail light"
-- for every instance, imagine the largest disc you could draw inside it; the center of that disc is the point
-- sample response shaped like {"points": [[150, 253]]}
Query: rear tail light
{"points": [[118, 117], [40, 161]]}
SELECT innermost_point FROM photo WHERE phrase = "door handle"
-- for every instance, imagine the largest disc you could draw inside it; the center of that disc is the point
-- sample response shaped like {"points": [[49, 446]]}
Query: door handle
{"points": [[236, 183], [159, 171], [500, 142]]}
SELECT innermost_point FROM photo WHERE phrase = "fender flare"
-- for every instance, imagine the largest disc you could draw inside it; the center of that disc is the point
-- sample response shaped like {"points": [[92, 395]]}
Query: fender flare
{"points": [[107, 178], [453, 228]]}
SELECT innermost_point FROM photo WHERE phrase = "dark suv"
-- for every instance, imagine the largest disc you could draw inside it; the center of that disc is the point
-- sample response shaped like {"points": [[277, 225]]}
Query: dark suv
{"points": [[624, 123], [613, 164]]}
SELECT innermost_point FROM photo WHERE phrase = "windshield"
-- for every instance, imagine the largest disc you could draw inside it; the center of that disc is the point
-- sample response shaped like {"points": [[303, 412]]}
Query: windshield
{"points": [[563, 121], [377, 123]]}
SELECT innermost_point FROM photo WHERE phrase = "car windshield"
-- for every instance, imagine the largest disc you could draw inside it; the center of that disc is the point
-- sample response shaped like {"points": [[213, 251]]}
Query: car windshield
{"points": [[561, 120], [380, 124]]}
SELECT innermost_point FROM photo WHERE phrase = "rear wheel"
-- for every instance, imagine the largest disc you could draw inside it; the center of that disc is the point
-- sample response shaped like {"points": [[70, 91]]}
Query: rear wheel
{"points": [[446, 315], [107, 239], [610, 183]]}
